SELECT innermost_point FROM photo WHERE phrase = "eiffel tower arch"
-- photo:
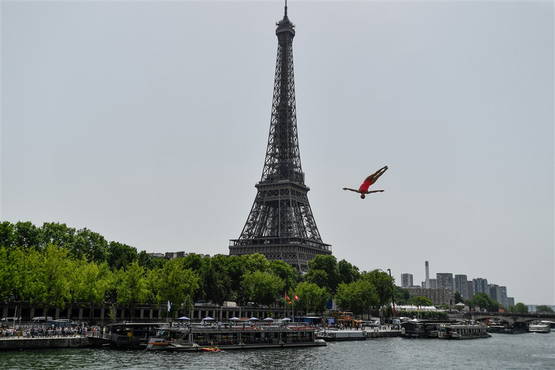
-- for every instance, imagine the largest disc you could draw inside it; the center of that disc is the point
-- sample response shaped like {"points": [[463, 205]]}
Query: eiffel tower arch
{"points": [[280, 224]]}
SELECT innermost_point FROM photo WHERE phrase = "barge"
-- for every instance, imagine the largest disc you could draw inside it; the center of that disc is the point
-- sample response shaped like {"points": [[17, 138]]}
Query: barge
{"points": [[215, 338], [462, 331]]}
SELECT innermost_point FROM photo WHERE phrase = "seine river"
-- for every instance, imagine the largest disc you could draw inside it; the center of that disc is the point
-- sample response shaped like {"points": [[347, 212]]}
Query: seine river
{"points": [[502, 351]]}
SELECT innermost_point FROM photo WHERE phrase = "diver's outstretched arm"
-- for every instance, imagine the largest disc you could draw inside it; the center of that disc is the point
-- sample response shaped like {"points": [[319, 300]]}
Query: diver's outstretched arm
{"points": [[355, 190], [375, 191]]}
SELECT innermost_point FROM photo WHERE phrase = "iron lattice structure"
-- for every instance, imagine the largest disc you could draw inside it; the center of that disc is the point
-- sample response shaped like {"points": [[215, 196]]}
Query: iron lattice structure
{"points": [[281, 224]]}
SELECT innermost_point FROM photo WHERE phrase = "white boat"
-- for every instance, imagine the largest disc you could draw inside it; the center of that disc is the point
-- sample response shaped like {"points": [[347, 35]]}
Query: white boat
{"points": [[344, 334], [539, 327]]}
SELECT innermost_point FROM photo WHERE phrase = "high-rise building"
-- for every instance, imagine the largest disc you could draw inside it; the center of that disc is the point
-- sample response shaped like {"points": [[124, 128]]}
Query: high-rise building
{"points": [[427, 281], [281, 225], [432, 283], [406, 280], [445, 280], [438, 296], [470, 289], [503, 296], [494, 292], [461, 285], [480, 286], [510, 302]]}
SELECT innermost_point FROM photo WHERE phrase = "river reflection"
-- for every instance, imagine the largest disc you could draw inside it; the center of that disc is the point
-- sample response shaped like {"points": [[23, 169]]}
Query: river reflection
{"points": [[524, 351]]}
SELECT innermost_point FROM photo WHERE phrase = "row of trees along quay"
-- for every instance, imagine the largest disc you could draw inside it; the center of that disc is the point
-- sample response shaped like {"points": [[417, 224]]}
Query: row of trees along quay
{"points": [[55, 265]]}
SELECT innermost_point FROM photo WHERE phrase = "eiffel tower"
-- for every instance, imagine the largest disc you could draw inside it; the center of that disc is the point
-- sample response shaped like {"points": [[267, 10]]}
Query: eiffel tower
{"points": [[280, 224]]}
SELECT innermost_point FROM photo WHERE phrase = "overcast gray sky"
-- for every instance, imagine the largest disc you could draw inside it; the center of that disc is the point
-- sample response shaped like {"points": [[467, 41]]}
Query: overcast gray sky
{"points": [[147, 122]]}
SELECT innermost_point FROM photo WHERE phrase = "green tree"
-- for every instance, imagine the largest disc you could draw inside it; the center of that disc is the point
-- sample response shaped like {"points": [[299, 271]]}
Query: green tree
{"points": [[458, 298], [383, 283], [131, 285], [56, 270], [120, 255], [544, 309], [255, 262], [401, 295], [90, 245], [357, 296], [318, 277], [173, 283], [420, 301], [6, 284], [312, 298], [286, 272], [347, 272], [262, 287], [91, 281], [483, 301], [519, 308], [148, 262], [26, 235], [57, 234], [7, 236], [215, 283], [322, 271], [26, 279]]}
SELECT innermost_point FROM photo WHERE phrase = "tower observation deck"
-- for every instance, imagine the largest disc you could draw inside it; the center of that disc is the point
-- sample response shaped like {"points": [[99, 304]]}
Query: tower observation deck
{"points": [[280, 224]]}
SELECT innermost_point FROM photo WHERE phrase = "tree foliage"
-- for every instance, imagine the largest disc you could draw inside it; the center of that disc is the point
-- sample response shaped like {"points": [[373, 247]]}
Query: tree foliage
{"points": [[357, 296], [544, 309], [519, 308], [383, 283], [312, 298], [420, 301], [55, 265], [262, 287], [483, 301]]}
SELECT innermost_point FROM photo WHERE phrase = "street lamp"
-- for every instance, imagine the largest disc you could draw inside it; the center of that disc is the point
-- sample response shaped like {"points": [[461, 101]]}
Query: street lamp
{"points": [[392, 293]]}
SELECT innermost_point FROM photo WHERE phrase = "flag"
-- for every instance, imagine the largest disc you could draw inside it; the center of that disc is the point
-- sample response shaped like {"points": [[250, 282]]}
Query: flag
{"points": [[296, 297], [169, 306]]}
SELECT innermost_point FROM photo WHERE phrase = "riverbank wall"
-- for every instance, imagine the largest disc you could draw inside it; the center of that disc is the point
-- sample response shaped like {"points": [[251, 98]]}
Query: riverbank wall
{"points": [[20, 343]]}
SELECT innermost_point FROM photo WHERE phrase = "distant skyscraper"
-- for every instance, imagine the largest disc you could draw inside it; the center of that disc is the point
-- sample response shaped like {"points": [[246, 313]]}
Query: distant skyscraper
{"points": [[461, 285], [432, 284], [406, 280], [510, 301], [503, 296], [427, 281], [470, 289], [480, 286], [495, 292], [445, 280], [438, 296]]}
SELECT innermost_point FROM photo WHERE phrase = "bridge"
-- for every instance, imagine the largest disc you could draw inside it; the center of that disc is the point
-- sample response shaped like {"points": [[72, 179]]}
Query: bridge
{"points": [[510, 317]]}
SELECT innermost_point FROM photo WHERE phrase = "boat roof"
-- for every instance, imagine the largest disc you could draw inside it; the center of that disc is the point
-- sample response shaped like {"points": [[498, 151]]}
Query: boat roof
{"points": [[138, 324]]}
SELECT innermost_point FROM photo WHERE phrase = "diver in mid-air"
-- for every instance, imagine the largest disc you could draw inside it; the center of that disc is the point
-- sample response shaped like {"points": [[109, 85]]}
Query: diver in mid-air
{"points": [[363, 188]]}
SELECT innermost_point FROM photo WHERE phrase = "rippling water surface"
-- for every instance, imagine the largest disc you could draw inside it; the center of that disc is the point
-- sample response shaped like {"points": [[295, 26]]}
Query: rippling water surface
{"points": [[523, 351]]}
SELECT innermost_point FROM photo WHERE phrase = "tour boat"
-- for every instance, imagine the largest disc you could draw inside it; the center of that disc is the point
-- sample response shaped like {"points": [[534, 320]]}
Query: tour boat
{"points": [[539, 327], [214, 338], [340, 335], [462, 331]]}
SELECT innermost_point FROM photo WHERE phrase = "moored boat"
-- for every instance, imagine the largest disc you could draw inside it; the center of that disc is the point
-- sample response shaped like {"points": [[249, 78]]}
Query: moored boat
{"points": [[539, 327], [341, 335], [462, 331], [215, 338], [131, 334]]}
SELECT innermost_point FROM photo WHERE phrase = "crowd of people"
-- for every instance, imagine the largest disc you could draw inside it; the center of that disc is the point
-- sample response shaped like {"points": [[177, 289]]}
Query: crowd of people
{"points": [[38, 331]]}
